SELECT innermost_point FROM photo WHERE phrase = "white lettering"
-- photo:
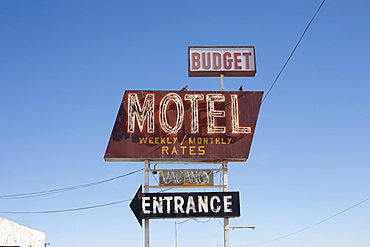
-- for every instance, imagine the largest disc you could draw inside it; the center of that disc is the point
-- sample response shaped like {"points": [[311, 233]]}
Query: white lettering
{"points": [[145, 204], [179, 202], [187, 204], [157, 205], [227, 203], [191, 205], [213, 113], [163, 113], [212, 204], [203, 204], [171, 115], [235, 128], [194, 98], [134, 111], [168, 199]]}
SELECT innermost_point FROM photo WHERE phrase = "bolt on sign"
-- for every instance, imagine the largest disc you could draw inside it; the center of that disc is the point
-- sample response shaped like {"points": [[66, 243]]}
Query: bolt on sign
{"points": [[196, 126], [185, 205], [211, 61], [185, 177]]}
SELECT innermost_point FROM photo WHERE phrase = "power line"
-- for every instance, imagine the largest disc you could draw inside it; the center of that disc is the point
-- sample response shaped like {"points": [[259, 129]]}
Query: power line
{"points": [[48, 192], [295, 48], [202, 222], [64, 210], [313, 225]]}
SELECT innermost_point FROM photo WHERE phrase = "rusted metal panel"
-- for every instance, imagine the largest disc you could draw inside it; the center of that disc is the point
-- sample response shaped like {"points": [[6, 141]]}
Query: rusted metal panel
{"points": [[178, 177], [184, 126], [231, 61]]}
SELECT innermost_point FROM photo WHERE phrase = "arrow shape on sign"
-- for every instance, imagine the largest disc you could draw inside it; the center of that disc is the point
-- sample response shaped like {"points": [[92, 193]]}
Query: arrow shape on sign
{"points": [[185, 205], [136, 206]]}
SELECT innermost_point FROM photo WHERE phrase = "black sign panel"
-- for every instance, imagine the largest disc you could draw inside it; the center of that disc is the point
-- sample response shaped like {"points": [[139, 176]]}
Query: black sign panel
{"points": [[185, 205]]}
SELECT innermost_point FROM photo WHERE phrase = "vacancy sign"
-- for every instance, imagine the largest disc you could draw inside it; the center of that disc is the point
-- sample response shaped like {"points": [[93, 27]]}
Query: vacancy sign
{"points": [[212, 61], [184, 177]]}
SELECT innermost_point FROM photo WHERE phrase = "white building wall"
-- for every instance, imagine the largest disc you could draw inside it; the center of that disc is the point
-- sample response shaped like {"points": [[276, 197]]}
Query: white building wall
{"points": [[14, 234]]}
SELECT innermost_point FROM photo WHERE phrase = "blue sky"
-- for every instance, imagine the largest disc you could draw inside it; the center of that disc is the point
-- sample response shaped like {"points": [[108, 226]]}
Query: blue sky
{"points": [[66, 64]]}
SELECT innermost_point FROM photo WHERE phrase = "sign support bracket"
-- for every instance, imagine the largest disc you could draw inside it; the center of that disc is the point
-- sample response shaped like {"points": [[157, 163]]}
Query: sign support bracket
{"points": [[146, 190], [225, 183], [222, 78]]}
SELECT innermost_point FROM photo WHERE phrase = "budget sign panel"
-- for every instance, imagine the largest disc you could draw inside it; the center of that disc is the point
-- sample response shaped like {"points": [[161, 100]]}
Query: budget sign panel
{"points": [[184, 126], [212, 61]]}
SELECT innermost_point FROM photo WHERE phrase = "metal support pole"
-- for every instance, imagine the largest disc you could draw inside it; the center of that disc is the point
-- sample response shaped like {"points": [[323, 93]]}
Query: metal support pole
{"points": [[176, 235], [225, 182], [146, 190], [222, 77]]}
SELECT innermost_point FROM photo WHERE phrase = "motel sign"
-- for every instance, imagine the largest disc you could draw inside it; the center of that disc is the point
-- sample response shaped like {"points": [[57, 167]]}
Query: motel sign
{"points": [[191, 127], [184, 125]]}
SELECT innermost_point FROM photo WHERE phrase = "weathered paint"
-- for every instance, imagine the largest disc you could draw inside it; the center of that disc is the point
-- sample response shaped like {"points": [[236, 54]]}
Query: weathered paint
{"points": [[184, 126], [212, 61], [186, 177], [14, 234], [185, 205], [190, 205]]}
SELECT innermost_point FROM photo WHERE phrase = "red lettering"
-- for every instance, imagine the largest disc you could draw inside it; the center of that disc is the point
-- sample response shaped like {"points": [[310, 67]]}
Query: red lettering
{"points": [[216, 60], [206, 62], [237, 60], [228, 62], [195, 58], [247, 55]]}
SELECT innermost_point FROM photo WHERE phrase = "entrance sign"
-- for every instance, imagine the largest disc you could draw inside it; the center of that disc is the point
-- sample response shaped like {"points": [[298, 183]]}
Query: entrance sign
{"points": [[212, 61], [185, 177], [196, 126], [185, 205]]}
